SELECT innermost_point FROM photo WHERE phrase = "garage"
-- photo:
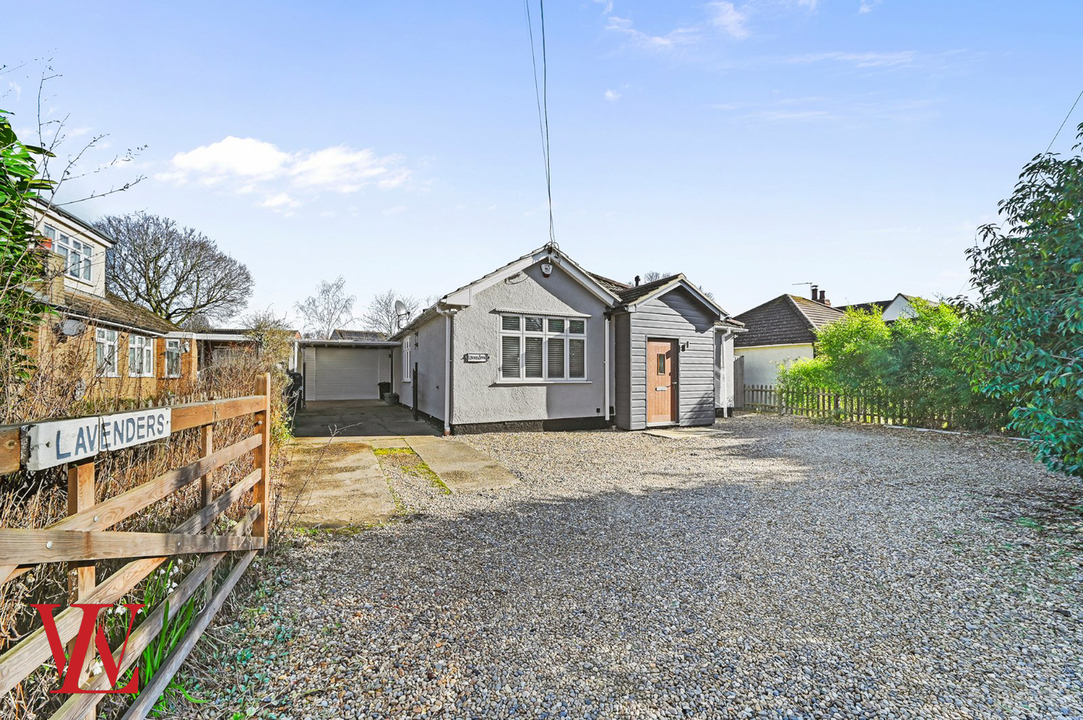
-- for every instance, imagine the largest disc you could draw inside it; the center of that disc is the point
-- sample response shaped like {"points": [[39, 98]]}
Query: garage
{"points": [[344, 370]]}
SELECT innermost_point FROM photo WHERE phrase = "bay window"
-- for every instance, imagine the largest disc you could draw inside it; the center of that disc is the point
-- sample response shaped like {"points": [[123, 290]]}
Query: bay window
{"points": [[536, 347]]}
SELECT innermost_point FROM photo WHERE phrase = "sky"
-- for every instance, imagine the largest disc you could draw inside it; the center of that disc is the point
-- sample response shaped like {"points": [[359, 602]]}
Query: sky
{"points": [[752, 145]]}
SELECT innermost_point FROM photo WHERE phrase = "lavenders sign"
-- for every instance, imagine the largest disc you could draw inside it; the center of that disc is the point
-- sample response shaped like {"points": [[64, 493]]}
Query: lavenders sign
{"points": [[63, 441]]}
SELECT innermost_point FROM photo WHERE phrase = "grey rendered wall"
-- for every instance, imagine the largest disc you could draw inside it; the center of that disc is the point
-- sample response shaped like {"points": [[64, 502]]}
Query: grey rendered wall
{"points": [[428, 355], [479, 395], [675, 316]]}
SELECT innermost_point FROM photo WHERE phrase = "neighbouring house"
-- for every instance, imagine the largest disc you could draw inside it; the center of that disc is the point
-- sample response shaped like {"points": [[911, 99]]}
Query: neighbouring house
{"points": [[779, 332], [899, 306], [370, 335], [541, 343], [112, 346], [220, 345]]}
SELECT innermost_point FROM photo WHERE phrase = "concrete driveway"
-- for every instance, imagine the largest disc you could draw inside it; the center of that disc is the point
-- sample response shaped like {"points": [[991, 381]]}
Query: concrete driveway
{"points": [[336, 480], [358, 418]]}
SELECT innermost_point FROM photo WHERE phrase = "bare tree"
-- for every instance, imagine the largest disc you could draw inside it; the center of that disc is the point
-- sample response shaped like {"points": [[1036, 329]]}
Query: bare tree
{"points": [[175, 272], [652, 275], [382, 315], [328, 309]]}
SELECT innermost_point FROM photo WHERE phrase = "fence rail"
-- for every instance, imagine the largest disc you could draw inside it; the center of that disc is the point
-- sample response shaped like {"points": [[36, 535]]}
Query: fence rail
{"points": [[83, 537], [859, 406]]}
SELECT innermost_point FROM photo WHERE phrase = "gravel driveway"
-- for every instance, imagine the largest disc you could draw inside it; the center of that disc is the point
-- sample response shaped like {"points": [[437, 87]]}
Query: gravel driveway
{"points": [[788, 569]]}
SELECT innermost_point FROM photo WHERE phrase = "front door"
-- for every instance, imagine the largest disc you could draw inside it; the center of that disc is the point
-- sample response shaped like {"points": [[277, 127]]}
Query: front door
{"points": [[661, 382]]}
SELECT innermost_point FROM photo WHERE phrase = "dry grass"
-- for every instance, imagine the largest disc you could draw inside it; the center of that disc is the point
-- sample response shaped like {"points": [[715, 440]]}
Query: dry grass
{"points": [[59, 388]]}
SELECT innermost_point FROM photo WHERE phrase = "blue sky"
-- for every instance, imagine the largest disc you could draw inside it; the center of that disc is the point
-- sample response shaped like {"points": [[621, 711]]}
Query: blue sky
{"points": [[750, 145]]}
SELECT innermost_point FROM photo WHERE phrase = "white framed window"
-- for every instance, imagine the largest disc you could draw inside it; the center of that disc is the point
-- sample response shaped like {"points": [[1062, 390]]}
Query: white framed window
{"points": [[105, 352], [140, 356], [78, 255], [407, 360], [172, 358], [542, 348]]}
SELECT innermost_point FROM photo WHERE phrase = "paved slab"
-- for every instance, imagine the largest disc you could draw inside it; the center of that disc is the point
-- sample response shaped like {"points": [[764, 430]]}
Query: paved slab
{"points": [[334, 483], [461, 467]]}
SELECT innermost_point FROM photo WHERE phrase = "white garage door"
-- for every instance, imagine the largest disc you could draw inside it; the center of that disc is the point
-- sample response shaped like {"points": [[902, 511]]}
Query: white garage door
{"points": [[344, 373]]}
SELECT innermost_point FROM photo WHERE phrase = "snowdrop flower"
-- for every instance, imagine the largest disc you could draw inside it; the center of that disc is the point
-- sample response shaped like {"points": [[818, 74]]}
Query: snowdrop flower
{"points": [[119, 610], [96, 667]]}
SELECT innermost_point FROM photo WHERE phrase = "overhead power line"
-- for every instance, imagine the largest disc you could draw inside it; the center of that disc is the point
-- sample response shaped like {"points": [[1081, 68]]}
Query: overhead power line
{"points": [[1065, 120], [541, 92]]}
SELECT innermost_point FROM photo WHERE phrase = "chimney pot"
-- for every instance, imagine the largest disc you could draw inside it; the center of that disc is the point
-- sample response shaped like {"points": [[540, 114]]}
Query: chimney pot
{"points": [[637, 280], [815, 293]]}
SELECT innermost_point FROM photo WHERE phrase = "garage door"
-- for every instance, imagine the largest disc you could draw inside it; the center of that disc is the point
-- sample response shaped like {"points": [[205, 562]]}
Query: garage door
{"points": [[344, 373]]}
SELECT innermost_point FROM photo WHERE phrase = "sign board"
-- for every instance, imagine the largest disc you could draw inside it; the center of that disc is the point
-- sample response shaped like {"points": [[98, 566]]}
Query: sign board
{"points": [[476, 357], [64, 441]]}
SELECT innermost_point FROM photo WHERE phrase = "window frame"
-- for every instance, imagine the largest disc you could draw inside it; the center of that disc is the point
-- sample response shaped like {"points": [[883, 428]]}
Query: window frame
{"points": [[75, 247], [101, 337], [178, 350], [407, 360], [146, 349], [522, 334]]}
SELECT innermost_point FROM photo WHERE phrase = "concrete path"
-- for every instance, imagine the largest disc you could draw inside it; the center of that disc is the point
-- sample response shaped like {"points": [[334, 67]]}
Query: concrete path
{"points": [[335, 483], [358, 418], [461, 467]]}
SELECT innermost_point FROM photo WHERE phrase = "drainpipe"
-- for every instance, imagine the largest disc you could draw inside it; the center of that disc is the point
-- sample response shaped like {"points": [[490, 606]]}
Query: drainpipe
{"points": [[448, 315], [607, 369]]}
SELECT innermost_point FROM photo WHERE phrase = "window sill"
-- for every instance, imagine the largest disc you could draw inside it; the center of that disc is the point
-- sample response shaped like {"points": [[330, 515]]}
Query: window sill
{"points": [[407, 381], [108, 375], [542, 382], [143, 377]]}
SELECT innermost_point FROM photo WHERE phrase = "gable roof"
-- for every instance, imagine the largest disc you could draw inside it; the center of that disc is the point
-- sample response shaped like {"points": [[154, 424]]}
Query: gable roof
{"points": [[786, 319], [874, 306], [369, 335]]}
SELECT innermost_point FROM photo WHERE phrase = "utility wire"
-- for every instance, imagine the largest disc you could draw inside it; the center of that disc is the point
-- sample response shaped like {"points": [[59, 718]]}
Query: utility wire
{"points": [[541, 93], [1065, 120]]}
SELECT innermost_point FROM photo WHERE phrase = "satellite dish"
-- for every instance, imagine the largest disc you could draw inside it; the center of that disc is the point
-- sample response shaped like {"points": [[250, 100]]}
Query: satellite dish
{"points": [[72, 328], [400, 309]]}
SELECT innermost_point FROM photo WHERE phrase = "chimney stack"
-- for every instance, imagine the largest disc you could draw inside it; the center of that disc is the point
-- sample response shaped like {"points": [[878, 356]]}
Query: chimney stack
{"points": [[823, 298], [815, 293]]}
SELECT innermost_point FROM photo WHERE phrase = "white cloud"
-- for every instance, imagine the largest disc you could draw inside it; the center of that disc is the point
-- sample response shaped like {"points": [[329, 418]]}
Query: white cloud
{"points": [[612, 96], [810, 4], [680, 36], [867, 59], [280, 200], [248, 165], [394, 210], [607, 5], [867, 6], [727, 18], [15, 88]]}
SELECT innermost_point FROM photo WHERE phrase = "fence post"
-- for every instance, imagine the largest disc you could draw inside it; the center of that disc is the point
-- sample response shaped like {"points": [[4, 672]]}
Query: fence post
{"points": [[261, 493], [81, 576]]}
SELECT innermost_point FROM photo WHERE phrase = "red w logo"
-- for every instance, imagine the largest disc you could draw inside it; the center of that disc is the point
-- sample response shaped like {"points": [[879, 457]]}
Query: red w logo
{"points": [[75, 664]]}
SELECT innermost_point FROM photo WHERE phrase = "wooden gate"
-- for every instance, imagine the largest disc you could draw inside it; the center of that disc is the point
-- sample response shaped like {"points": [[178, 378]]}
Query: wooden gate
{"points": [[83, 537]]}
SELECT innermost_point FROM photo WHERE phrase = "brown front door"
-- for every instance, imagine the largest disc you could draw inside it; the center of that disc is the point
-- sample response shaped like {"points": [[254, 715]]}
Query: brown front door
{"points": [[661, 382]]}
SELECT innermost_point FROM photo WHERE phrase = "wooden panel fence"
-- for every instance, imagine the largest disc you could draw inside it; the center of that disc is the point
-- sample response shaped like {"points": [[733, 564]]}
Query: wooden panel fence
{"points": [[860, 406], [83, 537]]}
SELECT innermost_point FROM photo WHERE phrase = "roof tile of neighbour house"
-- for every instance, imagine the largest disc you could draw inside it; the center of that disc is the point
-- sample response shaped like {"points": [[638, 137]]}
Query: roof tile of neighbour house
{"points": [[113, 310], [785, 320], [614, 286], [875, 306], [374, 335]]}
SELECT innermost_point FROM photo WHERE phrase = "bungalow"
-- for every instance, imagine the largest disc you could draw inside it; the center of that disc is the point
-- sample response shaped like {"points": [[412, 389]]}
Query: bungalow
{"points": [[899, 306], [541, 343], [110, 346], [779, 332]]}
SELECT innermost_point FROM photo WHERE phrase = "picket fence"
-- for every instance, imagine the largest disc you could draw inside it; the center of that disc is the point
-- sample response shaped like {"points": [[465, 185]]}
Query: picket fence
{"points": [[860, 406], [83, 537]]}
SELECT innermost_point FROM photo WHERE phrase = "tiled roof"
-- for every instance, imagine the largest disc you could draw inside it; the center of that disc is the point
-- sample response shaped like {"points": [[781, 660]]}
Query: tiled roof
{"points": [[634, 292], [613, 286], [874, 306], [115, 310], [341, 334], [786, 319]]}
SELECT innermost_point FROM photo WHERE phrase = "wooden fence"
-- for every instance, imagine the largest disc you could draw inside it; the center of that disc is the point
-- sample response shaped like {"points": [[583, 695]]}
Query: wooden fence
{"points": [[83, 537], [859, 406]]}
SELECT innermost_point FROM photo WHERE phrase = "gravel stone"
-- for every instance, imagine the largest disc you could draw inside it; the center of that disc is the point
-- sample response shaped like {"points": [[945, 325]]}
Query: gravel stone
{"points": [[786, 570]]}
